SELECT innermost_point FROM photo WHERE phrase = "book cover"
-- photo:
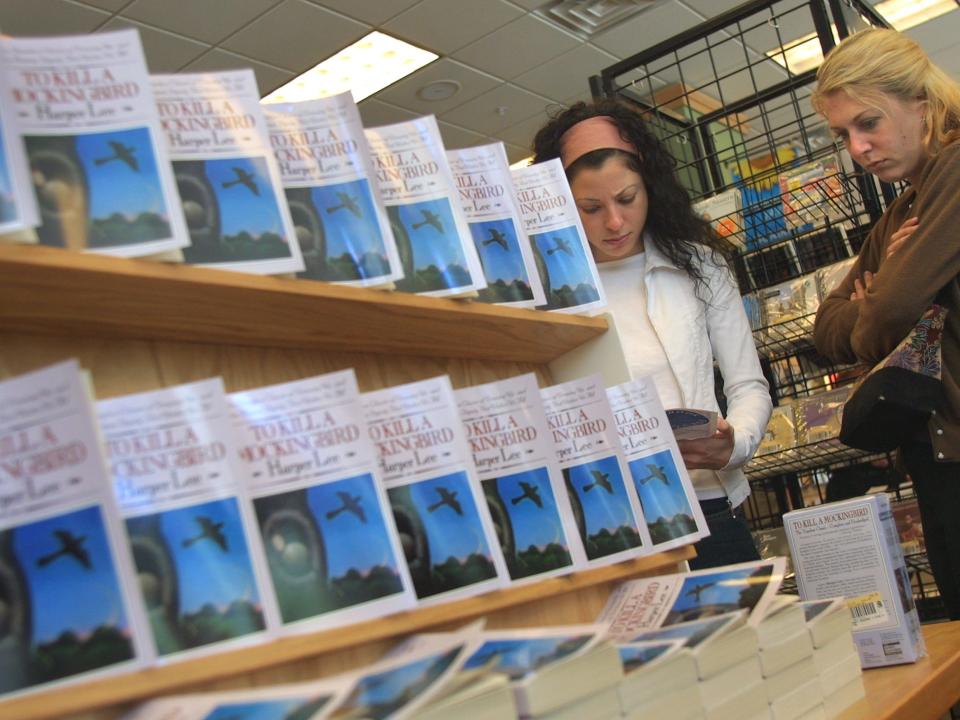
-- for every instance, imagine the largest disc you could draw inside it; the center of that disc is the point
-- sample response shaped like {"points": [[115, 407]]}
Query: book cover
{"points": [[850, 549], [639, 605], [818, 416], [507, 431], [85, 112], [550, 219], [482, 177], [18, 204], [781, 431], [230, 190], [328, 178], [723, 213], [173, 458], [692, 423], [791, 300], [66, 601], [330, 544], [437, 254], [605, 504], [831, 276], [659, 476], [812, 194], [444, 523]]}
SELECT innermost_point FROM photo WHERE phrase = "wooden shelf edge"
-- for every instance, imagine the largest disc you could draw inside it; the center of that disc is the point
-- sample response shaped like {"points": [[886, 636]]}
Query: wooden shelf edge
{"points": [[48, 290], [151, 682]]}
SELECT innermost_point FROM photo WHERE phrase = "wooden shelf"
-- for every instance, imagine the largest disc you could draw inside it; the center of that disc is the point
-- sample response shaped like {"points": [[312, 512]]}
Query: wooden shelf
{"points": [[52, 291], [156, 681]]}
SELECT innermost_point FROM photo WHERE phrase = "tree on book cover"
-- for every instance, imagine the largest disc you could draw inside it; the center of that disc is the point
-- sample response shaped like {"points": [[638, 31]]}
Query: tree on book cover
{"points": [[601, 507], [231, 210], [721, 592], [97, 190], [565, 270], [429, 247], [519, 657], [61, 608], [503, 268], [338, 231], [665, 505], [195, 575], [441, 533], [327, 547], [527, 521]]}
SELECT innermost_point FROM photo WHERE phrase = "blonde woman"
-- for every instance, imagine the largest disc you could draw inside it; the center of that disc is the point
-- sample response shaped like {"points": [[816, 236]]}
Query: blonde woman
{"points": [[899, 117]]}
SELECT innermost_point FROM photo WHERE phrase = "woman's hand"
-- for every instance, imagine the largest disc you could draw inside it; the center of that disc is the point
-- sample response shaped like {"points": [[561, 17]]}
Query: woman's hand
{"points": [[901, 235], [710, 453]]}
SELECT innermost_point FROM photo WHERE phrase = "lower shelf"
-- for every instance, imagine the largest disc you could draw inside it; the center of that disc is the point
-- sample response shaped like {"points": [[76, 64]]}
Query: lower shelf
{"points": [[823, 454], [185, 676]]}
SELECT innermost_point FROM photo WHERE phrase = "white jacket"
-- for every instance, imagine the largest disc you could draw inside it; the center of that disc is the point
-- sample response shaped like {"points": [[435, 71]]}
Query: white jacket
{"points": [[693, 334]]}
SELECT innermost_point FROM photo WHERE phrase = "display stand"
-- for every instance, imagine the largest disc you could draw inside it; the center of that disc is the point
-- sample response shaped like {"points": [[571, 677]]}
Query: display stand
{"points": [[138, 326]]}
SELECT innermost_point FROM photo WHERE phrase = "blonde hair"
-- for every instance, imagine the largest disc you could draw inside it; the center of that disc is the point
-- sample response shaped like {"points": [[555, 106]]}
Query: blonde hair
{"points": [[875, 64]]}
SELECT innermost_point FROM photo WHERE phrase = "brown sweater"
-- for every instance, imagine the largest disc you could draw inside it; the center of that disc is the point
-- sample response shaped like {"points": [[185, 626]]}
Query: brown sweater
{"points": [[904, 286]]}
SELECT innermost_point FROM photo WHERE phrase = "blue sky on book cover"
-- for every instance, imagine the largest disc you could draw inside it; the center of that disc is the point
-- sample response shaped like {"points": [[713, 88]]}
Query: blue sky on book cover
{"points": [[496, 243], [433, 234], [562, 251], [520, 656], [245, 196], [658, 484], [350, 221], [533, 511], [600, 488]]}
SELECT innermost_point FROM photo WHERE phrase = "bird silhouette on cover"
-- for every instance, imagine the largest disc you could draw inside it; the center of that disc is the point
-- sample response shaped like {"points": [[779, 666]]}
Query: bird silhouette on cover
{"points": [[348, 202], [496, 237], [447, 497], [697, 590], [561, 244], [210, 530], [243, 178], [351, 503], [70, 546], [599, 478], [530, 492], [429, 218], [656, 473], [120, 152]]}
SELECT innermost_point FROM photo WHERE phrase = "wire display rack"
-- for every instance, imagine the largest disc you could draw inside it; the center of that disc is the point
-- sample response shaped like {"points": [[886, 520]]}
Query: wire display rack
{"points": [[823, 454]]}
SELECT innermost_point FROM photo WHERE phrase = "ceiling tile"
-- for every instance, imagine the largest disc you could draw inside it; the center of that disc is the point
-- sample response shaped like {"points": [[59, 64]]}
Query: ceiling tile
{"points": [[712, 8], [374, 113], [447, 25], [455, 137], [938, 34], [472, 83], [647, 28], [166, 52], [374, 12], [500, 108], [268, 78], [296, 35], [521, 134], [566, 74], [204, 20], [110, 5], [524, 44], [59, 17]]}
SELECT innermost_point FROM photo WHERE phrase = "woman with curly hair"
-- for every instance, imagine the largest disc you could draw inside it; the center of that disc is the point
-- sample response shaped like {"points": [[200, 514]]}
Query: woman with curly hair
{"points": [[673, 299]]}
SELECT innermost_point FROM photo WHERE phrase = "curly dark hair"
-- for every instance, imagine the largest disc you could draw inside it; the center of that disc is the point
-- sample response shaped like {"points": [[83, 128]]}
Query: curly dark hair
{"points": [[676, 230]]}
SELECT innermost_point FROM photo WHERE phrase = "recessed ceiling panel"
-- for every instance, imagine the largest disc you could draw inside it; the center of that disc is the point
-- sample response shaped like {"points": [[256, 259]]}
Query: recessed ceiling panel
{"points": [[447, 25]]}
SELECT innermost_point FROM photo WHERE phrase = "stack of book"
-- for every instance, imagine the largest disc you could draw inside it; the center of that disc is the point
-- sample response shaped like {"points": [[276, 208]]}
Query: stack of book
{"points": [[660, 680], [786, 660], [835, 655]]}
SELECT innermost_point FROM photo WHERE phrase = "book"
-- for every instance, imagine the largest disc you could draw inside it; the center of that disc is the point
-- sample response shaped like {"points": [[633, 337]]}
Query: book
{"points": [[724, 214], [831, 276], [818, 416], [654, 670], [600, 705], [227, 176], [330, 543], [660, 478], [605, 502], [550, 219], [176, 478], [843, 698], [485, 189], [781, 654], [89, 127], [781, 431], [751, 306], [445, 528], [18, 204], [487, 697], [66, 596], [783, 618], [906, 517], [692, 423], [507, 431], [804, 698], [850, 549], [647, 603], [826, 619], [437, 254], [789, 678], [812, 194], [550, 668], [790, 301], [328, 178]]}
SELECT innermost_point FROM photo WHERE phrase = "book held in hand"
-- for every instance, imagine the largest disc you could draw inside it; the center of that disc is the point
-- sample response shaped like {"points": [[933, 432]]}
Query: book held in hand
{"points": [[508, 435], [328, 178], [173, 458], [437, 254], [227, 176], [66, 609], [659, 476], [85, 113], [485, 189], [330, 544], [448, 538]]}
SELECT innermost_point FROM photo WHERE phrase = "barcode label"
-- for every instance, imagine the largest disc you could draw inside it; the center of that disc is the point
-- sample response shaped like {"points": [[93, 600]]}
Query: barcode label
{"points": [[867, 610]]}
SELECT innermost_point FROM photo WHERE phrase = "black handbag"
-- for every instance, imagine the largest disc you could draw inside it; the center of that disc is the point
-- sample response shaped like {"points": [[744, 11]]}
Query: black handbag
{"points": [[894, 401]]}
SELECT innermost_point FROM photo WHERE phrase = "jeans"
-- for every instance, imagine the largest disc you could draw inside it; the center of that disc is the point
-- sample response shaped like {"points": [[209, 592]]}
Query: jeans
{"points": [[730, 540], [937, 486]]}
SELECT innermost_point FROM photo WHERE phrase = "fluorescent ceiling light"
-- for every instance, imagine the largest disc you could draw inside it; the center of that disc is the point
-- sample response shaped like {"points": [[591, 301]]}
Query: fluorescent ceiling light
{"points": [[369, 65], [525, 162], [804, 53]]}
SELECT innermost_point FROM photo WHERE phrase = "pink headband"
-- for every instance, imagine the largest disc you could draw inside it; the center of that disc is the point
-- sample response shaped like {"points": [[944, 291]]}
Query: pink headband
{"points": [[597, 133]]}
